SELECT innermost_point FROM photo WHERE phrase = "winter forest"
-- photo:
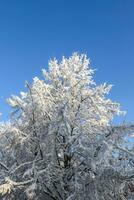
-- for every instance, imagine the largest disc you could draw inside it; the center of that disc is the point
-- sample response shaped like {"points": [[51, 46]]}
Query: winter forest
{"points": [[60, 142]]}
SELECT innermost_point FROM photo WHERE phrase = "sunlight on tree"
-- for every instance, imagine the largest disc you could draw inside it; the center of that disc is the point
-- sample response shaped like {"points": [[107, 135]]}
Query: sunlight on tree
{"points": [[60, 143]]}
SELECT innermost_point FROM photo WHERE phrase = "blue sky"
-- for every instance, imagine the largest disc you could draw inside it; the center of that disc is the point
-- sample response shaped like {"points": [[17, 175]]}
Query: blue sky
{"points": [[32, 32]]}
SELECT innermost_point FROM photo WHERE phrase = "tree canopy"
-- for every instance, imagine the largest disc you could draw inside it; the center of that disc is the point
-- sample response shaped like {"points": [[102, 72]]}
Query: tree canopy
{"points": [[60, 142]]}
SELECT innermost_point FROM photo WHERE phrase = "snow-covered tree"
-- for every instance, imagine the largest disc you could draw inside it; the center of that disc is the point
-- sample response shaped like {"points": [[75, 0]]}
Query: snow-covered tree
{"points": [[60, 143]]}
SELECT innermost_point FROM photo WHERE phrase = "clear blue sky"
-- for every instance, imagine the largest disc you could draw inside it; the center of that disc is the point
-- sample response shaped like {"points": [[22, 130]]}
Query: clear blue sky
{"points": [[32, 32]]}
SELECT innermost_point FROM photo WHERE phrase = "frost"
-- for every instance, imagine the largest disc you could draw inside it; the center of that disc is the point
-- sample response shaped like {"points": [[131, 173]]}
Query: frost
{"points": [[60, 142]]}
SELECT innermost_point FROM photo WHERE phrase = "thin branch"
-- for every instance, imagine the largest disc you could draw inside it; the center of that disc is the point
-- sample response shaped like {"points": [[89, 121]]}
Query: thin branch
{"points": [[125, 150], [22, 165], [4, 166]]}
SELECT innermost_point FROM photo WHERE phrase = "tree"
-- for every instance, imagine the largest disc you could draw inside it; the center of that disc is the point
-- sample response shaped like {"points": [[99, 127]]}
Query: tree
{"points": [[60, 143]]}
